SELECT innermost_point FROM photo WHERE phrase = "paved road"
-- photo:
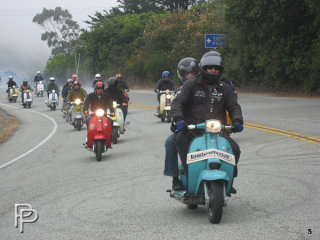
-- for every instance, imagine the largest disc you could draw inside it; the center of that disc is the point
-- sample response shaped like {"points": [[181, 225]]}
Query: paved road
{"points": [[124, 196]]}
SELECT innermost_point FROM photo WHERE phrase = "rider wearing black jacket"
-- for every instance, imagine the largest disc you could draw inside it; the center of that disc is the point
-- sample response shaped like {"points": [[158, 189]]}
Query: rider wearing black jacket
{"points": [[98, 99], [117, 95], [207, 98], [38, 77], [11, 82]]}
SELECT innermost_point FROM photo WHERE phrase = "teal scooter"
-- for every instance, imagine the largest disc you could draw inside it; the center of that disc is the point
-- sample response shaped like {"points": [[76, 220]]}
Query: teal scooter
{"points": [[210, 168]]}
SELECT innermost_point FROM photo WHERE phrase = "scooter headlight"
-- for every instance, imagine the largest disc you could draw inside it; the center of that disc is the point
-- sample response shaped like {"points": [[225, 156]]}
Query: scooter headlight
{"points": [[114, 104], [168, 96], [77, 101], [100, 112], [53, 91], [213, 126]]}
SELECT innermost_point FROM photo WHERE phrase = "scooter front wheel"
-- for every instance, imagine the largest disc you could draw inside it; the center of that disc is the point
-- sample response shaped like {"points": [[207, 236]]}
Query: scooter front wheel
{"points": [[168, 117], [216, 201], [99, 148], [78, 124]]}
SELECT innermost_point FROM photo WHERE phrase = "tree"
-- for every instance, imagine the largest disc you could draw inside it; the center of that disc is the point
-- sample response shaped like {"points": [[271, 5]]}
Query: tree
{"points": [[61, 31]]}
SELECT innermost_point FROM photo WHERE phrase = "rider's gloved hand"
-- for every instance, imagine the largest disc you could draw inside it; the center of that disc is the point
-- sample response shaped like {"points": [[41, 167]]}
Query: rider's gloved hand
{"points": [[181, 126], [173, 127], [237, 127]]}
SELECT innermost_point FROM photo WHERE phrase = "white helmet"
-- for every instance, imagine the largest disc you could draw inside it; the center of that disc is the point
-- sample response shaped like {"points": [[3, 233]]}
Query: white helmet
{"points": [[98, 76], [38, 72], [52, 79]]}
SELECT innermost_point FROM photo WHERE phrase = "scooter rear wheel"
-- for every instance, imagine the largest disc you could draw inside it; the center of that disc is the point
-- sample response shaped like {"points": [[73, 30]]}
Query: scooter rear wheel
{"points": [[216, 201], [192, 206]]}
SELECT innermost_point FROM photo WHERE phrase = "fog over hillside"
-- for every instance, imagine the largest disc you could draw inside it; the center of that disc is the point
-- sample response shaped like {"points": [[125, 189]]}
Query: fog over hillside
{"points": [[21, 49]]}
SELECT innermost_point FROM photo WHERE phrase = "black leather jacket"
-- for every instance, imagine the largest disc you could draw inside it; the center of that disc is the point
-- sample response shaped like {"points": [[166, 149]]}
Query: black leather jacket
{"points": [[204, 104]]}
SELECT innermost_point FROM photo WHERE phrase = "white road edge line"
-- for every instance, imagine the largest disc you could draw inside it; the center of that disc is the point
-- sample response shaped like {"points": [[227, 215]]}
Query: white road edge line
{"points": [[39, 144]]}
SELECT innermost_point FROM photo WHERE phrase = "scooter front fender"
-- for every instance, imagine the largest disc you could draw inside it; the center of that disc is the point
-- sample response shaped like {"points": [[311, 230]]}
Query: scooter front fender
{"points": [[211, 175], [99, 137]]}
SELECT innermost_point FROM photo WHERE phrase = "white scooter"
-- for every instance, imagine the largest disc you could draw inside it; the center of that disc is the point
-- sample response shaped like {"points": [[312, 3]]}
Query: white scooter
{"points": [[40, 89], [27, 99], [118, 123], [53, 100]]}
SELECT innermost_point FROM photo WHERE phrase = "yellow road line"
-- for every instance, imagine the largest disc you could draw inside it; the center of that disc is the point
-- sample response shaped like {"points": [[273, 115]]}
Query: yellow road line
{"points": [[289, 134], [142, 106], [294, 135]]}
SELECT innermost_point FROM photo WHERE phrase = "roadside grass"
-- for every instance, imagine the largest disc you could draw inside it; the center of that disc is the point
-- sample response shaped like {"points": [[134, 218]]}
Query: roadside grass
{"points": [[8, 124]]}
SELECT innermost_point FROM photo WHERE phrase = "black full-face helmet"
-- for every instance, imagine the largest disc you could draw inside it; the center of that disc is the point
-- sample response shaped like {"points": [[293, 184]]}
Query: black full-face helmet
{"points": [[186, 66], [208, 60]]}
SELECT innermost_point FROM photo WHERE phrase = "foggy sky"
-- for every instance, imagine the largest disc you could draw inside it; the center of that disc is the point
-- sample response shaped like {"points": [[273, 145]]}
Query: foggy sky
{"points": [[21, 49]]}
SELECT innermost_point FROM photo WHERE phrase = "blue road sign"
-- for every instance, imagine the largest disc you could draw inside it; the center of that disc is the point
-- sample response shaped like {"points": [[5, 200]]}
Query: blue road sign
{"points": [[214, 40]]}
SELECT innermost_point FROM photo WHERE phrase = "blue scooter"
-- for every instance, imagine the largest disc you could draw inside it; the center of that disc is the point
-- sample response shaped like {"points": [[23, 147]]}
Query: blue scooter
{"points": [[210, 164]]}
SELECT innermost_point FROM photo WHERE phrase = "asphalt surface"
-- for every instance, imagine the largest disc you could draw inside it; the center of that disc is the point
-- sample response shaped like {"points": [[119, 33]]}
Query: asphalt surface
{"points": [[124, 196]]}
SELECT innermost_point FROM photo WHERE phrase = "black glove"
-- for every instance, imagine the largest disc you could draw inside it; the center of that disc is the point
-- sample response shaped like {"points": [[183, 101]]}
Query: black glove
{"points": [[173, 127], [237, 127]]}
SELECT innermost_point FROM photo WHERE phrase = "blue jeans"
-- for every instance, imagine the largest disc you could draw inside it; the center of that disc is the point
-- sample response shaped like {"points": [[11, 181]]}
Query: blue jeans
{"points": [[171, 159]]}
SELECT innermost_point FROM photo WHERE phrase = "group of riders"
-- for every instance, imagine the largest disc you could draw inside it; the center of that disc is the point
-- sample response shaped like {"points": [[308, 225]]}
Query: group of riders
{"points": [[205, 94]]}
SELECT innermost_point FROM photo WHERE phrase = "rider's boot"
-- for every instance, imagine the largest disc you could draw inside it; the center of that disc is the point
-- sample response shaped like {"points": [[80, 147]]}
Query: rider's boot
{"points": [[176, 184]]}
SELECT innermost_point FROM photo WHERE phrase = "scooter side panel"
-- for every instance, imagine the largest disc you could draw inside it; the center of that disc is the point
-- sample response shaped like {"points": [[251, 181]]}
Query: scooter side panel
{"points": [[194, 169], [120, 119]]}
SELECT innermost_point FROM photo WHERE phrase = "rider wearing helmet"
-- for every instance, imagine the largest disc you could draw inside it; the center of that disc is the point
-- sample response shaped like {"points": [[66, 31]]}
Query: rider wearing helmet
{"points": [[165, 83], [122, 84], [76, 92], [188, 69], [76, 78], [11, 82], [205, 98], [66, 88], [38, 77], [97, 78], [52, 86], [25, 86], [117, 94], [98, 99]]}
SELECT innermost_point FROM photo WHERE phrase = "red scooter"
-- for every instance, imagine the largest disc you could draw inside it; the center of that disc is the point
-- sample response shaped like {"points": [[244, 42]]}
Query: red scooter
{"points": [[99, 133]]}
